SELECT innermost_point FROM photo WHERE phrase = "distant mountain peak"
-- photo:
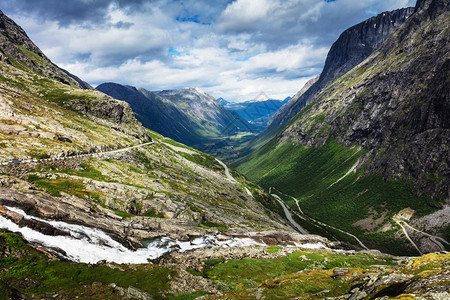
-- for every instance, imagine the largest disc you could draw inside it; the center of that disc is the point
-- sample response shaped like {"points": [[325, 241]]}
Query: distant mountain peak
{"points": [[261, 97], [222, 101], [287, 99]]}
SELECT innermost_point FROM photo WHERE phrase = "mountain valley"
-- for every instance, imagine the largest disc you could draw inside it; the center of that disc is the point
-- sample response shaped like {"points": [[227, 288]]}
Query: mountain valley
{"points": [[196, 118], [257, 112], [362, 148], [340, 192]]}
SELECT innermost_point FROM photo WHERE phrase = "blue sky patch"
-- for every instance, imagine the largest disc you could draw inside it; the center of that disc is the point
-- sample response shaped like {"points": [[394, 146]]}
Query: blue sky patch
{"points": [[174, 51]]}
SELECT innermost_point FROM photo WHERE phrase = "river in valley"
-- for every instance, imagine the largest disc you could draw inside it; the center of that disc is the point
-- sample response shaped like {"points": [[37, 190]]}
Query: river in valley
{"points": [[90, 245]]}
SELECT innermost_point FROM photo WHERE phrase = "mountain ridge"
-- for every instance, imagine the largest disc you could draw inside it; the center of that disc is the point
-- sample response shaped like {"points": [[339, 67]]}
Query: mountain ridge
{"points": [[375, 141], [352, 47], [16, 48], [187, 115]]}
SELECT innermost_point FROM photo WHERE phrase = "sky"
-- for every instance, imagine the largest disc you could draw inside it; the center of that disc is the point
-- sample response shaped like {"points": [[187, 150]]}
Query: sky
{"points": [[231, 49]]}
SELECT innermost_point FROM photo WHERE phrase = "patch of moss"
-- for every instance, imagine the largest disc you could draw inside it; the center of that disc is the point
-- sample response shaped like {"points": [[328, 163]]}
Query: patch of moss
{"points": [[187, 296], [123, 214], [153, 214], [88, 171], [238, 273], [212, 224], [273, 249], [46, 277], [203, 160], [55, 186]]}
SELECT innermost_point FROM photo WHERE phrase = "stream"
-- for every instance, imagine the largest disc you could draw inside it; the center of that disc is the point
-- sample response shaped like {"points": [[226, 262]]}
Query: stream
{"points": [[90, 245]]}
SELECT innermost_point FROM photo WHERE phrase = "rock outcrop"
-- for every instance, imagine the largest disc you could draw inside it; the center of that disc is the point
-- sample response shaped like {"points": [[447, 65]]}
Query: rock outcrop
{"points": [[353, 46], [397, 105], [17, 49]]}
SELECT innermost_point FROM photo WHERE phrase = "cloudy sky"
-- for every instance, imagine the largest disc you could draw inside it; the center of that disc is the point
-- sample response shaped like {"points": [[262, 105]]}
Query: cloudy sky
{"points": [[231, 49]]}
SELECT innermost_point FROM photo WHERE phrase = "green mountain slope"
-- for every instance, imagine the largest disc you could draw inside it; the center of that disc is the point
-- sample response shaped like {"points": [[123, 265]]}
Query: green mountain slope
{"points": [[62, 139], [188, 115], [375, 141], [18, 50]]}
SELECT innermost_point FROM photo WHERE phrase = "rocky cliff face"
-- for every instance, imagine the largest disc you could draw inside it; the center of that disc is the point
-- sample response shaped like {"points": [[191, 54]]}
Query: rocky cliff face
{"points": [[17, 49], [374, 141], [397, 105], [353, 46]]}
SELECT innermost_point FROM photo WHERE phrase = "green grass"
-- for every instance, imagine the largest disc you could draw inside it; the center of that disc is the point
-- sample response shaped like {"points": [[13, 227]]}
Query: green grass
{"points": [[250, 273], [273, 249], [213, 225], [13, 83], [187, 296], [308, 173], [144, 159], [203, 160], [62, 96], [88, 171], [153, 214], [36, 58], [320, 282], [71, 279], [298, 170], [123, 214], [70, 186]]}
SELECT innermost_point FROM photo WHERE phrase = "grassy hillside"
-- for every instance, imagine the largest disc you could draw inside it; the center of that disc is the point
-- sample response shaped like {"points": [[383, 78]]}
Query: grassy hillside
{"points": [[385, 125], [166, 186], [321, 178]]}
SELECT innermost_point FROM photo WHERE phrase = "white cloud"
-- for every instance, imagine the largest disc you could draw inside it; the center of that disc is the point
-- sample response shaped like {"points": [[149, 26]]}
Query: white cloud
{"points": [[244, 15], [215, 71], [291, 59], [232, 49]]}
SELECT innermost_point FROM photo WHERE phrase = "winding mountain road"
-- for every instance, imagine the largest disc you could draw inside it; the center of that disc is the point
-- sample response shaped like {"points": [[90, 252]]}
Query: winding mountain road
{"points": [[227, 171], [319, 222], [288, 214], [433, 238], [399, 223], [27, 161]]}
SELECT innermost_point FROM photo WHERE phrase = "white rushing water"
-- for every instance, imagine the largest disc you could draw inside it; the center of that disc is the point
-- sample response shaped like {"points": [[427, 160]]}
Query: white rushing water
{"points": [[311, 246], [90, 245]]}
